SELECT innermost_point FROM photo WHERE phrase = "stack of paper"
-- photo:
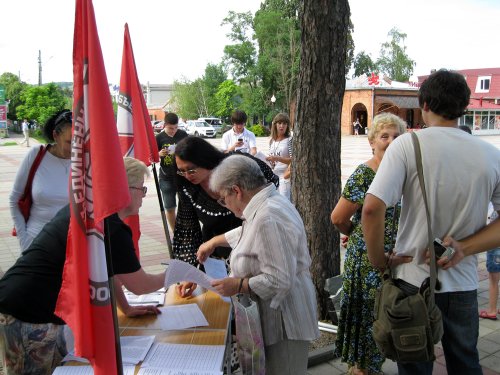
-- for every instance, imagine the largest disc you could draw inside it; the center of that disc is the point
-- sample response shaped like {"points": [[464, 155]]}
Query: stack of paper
{"points": [[151, 299], [134, 350], [186, 359], [86, 370], [181, 317]]}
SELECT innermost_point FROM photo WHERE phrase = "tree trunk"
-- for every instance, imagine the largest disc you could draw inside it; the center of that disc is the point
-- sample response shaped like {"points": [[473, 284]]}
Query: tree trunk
{"points": [[316, 177]]}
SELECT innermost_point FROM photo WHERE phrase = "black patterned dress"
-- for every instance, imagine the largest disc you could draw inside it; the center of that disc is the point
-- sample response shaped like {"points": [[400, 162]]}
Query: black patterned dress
{"points": [[200, 217], [355, 344]]}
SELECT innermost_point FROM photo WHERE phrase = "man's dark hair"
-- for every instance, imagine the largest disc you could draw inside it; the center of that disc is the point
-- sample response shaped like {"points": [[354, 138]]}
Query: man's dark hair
{"points": [[171, 119], [238, 117], [446, 93], [199, 152]]}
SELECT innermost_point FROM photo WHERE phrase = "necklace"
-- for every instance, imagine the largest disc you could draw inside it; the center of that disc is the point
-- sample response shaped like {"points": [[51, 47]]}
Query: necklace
{"points": [[276, 148]]}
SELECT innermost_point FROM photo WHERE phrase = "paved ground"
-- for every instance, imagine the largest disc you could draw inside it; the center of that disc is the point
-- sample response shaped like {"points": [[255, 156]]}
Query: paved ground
{"points": [[153, 245]]}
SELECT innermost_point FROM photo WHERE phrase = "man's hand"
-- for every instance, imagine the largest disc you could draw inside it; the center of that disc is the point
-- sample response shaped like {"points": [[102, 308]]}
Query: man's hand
{"points": [[226, 287], [163, 152], [185, 289], [456, 257], [135, 311], [395, 259]]}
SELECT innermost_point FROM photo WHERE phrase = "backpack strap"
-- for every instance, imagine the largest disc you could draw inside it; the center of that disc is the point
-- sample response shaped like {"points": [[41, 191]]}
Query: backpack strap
{"points": [[420, 171]]}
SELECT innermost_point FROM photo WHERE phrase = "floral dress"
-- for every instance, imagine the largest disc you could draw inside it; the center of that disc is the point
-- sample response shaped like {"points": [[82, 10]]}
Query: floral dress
{"points": [[355, 344]]}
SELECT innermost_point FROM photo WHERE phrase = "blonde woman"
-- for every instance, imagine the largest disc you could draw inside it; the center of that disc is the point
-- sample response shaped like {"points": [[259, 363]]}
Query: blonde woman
{"points": [[355, 343], [280, 150]]}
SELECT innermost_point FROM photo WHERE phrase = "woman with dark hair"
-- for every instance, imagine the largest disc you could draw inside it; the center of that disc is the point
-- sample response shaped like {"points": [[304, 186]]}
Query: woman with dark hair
{"points": [[195, 159], [49, 188]]}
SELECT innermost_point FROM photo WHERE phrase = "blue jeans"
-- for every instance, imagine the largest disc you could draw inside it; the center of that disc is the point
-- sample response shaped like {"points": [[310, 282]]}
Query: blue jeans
{"points": [[168, 192], [461, 330]]}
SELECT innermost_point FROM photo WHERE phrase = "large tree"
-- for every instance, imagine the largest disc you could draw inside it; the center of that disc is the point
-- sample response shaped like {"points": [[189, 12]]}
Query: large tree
{"points": [[393, 59], [13, 89], [364, 65], [41, 102], [316, 174]]}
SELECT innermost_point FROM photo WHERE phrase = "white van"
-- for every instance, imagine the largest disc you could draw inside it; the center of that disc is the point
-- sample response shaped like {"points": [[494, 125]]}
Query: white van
{"points": [[214, 121]]}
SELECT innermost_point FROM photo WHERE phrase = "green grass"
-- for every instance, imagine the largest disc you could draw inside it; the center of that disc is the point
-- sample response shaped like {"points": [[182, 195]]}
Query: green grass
{"points": [[9, 143]]}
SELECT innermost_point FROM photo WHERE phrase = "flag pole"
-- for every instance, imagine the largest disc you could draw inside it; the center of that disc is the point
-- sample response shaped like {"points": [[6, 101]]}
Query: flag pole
{"points": [[112, 296], [162, 211]]}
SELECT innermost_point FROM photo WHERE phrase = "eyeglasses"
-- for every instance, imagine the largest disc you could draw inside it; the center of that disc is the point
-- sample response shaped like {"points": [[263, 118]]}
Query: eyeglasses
{"points": [[144, 189], [64, 117], [189, 172]]}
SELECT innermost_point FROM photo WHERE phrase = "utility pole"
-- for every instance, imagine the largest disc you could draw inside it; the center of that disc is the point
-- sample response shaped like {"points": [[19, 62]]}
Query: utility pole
{"points": [[39, 67]]}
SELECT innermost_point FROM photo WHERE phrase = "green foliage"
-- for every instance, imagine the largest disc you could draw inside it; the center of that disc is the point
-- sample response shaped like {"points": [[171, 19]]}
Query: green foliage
{"points": [[41, 102], [393, 59], [226, 98], [186, 97], [259, 130], [363, 64], [13, 89]]}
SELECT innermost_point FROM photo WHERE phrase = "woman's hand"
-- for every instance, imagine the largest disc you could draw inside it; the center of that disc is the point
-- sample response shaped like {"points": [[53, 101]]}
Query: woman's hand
{"points": [[185, 289], [204, 251], [135, 311], [226, 287]]}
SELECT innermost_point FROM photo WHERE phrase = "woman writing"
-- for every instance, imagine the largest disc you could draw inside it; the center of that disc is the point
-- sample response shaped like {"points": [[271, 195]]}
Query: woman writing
{"points": [[280, 150], [50, 183], [355, 344], [270, 260]]}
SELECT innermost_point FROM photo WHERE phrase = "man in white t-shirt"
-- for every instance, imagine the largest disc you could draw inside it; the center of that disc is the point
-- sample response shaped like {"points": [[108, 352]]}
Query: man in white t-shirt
{"points": [[239, 138], [462, 175], [25, 127]]}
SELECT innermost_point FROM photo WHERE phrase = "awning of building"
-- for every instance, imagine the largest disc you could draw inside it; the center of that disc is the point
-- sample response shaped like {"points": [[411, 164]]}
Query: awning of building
{"points": [[399, 101]]}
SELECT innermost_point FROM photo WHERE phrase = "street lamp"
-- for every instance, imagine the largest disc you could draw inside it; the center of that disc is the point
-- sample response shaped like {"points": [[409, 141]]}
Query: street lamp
{"points": [[273, 100]]}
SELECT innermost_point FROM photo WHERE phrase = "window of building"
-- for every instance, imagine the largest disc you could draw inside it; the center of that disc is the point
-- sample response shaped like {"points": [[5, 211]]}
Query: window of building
{"points": [[483, 84]]}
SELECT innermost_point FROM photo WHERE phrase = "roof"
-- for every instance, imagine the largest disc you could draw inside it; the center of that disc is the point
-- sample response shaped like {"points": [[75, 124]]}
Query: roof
{"points": [[478, 104], [399, 101]]}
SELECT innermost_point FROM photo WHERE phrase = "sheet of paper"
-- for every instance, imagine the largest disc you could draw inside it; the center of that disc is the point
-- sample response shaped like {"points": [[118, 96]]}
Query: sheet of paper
{"points": [[181, 317], [154, 299], [161, 371], [206, 358], [86, 370], [134, 350], [216, 269], [181, 271]]}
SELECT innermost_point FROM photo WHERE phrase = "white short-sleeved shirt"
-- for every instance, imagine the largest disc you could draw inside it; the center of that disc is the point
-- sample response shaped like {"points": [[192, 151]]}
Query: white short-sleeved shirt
{"points": [[229, 138], [462, 175], [281, 148]]}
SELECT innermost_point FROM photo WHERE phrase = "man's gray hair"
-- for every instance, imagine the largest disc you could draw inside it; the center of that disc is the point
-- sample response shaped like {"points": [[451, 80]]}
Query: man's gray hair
{"points": [[238, 170]]}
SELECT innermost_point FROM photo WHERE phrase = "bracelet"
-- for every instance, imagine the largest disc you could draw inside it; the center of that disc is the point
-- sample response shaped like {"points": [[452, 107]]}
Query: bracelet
{"points": [[241, 284]]}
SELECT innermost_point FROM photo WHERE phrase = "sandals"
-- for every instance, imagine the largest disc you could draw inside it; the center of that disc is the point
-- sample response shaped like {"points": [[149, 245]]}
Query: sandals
{"points": [[484, 314]]}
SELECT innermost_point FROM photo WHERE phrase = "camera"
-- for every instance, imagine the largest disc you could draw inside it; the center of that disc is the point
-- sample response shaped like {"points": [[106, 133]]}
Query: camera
{"points": [[442, 251]]}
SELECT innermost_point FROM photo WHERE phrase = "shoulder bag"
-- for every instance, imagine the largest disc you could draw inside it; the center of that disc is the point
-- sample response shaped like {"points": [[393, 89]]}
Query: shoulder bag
{"points": [[26, 199], [407, 326]]}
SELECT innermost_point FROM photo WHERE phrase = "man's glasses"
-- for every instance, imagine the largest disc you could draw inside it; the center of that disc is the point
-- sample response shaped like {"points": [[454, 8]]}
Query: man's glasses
{"points": [[144, 189], [189, 172]]}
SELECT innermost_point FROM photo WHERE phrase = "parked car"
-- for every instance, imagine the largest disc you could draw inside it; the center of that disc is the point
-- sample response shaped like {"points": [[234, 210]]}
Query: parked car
{"points": [[182, 126], [200, 129], [157, 125], [214, 121]]}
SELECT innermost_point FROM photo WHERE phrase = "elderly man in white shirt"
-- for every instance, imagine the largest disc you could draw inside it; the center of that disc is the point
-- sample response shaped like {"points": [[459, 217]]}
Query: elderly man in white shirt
{"points": [[270, 261], [239, 138]]}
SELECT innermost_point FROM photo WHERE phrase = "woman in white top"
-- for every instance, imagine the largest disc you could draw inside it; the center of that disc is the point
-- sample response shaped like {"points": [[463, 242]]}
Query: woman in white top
{"points": [[270, 261], [280, 150], [50, 183]]}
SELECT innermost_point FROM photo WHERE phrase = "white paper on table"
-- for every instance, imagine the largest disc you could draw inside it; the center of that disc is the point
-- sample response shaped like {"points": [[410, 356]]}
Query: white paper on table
{"points": [[181, 271], [181, 316], [86, 370], [150, 299], [162, 371], [216, 269], [134, 350], [204, 358]]}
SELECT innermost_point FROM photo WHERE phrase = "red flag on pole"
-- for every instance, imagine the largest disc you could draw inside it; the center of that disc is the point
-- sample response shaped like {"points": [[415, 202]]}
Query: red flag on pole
{"points": [[98, 188], [137, 139]]}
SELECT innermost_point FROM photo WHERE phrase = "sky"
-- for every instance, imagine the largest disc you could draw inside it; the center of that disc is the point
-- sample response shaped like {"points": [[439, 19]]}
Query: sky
{"points": [[173, 40]]}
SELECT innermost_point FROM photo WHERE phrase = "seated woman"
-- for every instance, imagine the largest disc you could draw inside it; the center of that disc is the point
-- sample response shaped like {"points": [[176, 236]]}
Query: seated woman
{"points": [[31, 335], [270, 260], [196, 159]]}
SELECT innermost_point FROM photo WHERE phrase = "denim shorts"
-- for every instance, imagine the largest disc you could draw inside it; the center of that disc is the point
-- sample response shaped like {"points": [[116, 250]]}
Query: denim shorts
{"points": [[493, 260], [168, 191]]}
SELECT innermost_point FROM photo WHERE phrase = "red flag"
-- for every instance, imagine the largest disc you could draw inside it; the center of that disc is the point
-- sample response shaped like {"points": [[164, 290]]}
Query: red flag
{"points": [[134, 126], [98, 188], [137, 139]]}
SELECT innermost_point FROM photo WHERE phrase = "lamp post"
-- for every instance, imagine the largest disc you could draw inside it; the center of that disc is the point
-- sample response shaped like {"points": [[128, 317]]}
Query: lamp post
{"points": [[273, 100]]}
